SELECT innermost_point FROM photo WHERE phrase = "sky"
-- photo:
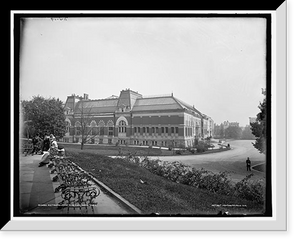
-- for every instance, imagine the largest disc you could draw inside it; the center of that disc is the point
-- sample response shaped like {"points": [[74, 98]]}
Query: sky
{"points": [[216, 64]]}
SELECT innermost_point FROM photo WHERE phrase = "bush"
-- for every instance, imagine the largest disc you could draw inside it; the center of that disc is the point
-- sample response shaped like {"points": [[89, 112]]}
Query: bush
{"points": [[217, 183], [253, 191], [203, 146]]}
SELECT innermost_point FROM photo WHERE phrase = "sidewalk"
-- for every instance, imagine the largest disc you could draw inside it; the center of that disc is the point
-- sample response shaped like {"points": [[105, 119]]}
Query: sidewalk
{"points": [[37, 192]]}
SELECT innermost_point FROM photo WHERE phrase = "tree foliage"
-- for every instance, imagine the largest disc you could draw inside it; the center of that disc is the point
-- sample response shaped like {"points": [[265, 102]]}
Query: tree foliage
{"points": [[259, 127], [44, 115], [233, 132], [247, 133]]}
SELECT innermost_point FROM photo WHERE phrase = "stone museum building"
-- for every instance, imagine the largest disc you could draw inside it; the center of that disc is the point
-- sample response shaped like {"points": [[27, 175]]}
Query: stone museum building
{"points": [[131, 118]]}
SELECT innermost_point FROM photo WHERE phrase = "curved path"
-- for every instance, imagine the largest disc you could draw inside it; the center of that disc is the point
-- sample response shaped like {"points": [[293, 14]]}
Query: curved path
{"points": [[233, 160]]}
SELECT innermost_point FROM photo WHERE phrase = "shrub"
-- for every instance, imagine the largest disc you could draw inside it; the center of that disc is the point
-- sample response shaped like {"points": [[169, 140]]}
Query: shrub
{"points": [[202, 146], [253, 191], [217, 183]]}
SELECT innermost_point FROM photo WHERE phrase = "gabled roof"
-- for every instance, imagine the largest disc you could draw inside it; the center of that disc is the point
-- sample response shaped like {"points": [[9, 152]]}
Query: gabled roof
{"points": [[155, 103], [189, 107], [133, 101], [97, 106]]}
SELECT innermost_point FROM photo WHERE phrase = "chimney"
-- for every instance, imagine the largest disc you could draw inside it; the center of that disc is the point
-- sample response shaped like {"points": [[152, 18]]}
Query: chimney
{"points": [[85, 96]]}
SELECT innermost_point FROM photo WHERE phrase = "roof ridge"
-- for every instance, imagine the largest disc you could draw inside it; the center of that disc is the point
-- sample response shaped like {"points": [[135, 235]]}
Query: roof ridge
{"points": [[154, 97], [178, 102], [100, 99]]}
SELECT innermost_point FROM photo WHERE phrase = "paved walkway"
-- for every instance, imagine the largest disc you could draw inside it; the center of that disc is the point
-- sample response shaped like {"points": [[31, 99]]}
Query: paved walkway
{"points": [[232, 160], [37, 192]]}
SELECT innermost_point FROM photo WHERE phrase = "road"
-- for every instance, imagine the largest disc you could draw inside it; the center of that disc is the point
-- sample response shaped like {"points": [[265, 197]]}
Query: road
{"points": [[233, 160]]}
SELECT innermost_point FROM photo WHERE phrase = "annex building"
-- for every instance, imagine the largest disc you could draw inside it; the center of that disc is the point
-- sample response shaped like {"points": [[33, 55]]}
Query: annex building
{"points": [[133, 119]]}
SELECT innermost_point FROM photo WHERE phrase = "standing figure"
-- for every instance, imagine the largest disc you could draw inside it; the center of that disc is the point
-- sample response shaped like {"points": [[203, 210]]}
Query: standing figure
{"points": [[248, 164]]}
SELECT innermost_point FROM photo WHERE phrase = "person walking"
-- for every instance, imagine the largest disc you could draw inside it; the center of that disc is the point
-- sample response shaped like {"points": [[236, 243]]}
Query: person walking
{"points": [[248, 164]]}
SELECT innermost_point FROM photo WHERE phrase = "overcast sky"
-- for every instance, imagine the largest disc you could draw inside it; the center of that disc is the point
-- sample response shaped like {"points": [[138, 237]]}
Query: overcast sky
{"points": [[216, 64]]}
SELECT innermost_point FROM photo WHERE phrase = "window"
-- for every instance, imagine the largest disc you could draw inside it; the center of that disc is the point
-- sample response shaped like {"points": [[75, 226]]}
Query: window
{"points": [[110, 125], [156, 129], [122, 126], [101, 127], [144, 129], [139, 129], [135, 129], [93, 127], [162, 130], [153, 130], [172, 129], [110, 131], [176, 130], [167, 130], [147, 129]]}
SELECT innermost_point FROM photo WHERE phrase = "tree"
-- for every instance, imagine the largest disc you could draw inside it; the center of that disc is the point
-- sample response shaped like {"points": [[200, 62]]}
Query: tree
{"points": [[86, 131], [247, 133], [44, 116], [259, 127], [233, 132]]}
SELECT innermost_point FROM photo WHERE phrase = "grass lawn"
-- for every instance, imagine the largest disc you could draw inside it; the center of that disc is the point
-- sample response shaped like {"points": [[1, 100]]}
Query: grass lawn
{"points": [[159, 195], [111, 150]]}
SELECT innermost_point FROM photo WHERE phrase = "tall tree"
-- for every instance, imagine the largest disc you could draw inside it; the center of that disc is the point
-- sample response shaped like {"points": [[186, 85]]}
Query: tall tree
{"points": [[44, 116], [86, 130], [259, 127]]}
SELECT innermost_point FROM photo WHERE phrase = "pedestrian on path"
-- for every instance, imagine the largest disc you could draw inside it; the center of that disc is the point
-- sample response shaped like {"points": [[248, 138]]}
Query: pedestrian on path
{"points": [[248, 164]]}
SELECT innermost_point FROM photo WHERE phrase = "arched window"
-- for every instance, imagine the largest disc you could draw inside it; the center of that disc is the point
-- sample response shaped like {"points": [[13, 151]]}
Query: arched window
{"points": [[122, 126], [93, 126], [101, 127]]}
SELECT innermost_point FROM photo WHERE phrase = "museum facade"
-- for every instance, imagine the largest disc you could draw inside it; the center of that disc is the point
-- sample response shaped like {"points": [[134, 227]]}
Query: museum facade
{"points": [[131, 118]]}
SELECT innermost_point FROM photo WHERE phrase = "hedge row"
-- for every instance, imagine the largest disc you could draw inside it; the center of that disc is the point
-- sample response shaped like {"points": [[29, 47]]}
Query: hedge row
{"points": [[218, 183]]}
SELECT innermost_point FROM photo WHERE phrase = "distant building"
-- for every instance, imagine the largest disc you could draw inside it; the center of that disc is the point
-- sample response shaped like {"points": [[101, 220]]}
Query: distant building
{"points": [[133, 119], [227, 124]]}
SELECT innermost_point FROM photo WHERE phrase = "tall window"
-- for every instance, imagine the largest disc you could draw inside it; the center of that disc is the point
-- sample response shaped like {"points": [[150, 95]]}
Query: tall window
{"points": [[101, 127], [110, 126], [93, 127], [162, 130], [122, 126]]}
